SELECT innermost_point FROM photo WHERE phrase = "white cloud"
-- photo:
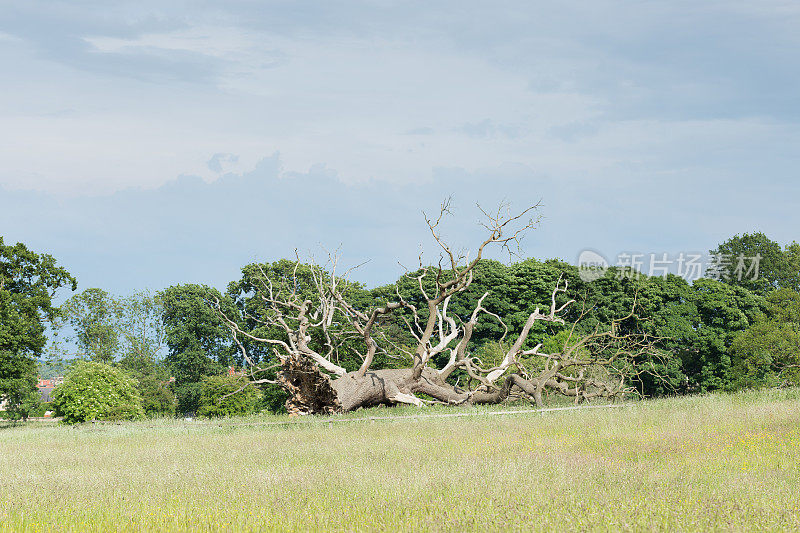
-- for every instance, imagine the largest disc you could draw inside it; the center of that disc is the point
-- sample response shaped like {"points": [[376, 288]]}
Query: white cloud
{"points": [[641, 126], [7, 37], [345, 104], [555, 90], [224, 42]]}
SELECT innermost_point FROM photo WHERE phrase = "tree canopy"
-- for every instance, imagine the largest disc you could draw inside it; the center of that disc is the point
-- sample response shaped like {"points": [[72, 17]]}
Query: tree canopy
{"points": [[730, 330], [754, 261], [28, 283]]}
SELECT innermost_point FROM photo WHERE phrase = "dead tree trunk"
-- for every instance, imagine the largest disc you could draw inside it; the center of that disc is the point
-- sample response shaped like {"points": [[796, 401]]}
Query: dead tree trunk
{"points": [[317, 384]]}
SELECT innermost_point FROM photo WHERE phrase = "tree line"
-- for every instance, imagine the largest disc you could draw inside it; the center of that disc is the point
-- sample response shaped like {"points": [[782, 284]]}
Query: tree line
{"points": [[175, 351]]}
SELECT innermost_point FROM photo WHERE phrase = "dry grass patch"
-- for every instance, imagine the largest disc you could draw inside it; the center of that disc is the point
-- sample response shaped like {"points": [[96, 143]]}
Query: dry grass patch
{"points": [[692, 464]]}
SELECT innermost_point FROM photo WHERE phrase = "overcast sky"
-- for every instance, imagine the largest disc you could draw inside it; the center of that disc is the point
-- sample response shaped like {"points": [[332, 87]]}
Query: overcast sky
{"points": [[145, 145]]}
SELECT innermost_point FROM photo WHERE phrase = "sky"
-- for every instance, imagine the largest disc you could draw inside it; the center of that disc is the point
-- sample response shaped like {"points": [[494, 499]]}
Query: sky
{"points": [[145, 144]]}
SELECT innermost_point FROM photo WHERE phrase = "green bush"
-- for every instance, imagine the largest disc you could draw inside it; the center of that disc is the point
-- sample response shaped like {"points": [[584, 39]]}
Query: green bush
{"points": [[32, 405], [152, 382], [28, 405], [157, 399], [273, 399], [767, 354], [227, 396], [96, 391], [188, 397]]}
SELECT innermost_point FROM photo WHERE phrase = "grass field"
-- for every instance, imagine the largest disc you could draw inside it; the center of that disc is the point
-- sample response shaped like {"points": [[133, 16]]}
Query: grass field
{"points": [[701, 463]]}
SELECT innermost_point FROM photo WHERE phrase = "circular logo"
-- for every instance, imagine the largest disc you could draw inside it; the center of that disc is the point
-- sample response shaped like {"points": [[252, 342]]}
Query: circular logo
{"points": [[591, 265]]}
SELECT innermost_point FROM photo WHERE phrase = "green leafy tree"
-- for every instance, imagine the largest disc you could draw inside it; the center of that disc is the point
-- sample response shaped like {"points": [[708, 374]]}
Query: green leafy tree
{"points": [[784, 306], [282, 275], [697, 324], [667, 304], [153, 383], [198, 343], [97, 391], [227, 396], [791, 280], [93, 316], [141, 326], [777, 268], [157, 398], [516, 290], [723, 310], [105, 328], [768, 352], [30, 405], [129, 329], [28, 282]]}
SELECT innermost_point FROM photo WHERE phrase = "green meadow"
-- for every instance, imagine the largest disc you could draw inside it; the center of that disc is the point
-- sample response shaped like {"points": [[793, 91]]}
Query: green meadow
{"points": [[701, 463]]}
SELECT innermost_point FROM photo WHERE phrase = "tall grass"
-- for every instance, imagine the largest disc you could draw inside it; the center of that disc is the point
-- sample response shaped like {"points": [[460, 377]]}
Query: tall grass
{"points": [[701, 463]]}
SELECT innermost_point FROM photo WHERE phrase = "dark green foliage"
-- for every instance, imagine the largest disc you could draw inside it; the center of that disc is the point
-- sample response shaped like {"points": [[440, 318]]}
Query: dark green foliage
{"points": [[157, 398], [516, 290], [38, 407], [187, 396], [30, 405], [768, 352], [153, 384], [199, 344], [227, 396], [791, 279], [783, 305], [17, 378], [97, 391], [190, 366], [27, 284], [273, 399], [695, 324], [723, 311], [777, 268]]}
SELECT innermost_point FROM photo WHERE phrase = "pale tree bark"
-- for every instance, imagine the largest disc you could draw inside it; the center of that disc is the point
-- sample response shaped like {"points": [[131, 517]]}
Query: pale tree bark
{"points": [[317, 384]]}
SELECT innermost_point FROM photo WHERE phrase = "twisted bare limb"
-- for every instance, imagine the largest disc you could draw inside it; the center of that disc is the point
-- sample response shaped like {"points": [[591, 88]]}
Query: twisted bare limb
{"points": [[317, 384]]}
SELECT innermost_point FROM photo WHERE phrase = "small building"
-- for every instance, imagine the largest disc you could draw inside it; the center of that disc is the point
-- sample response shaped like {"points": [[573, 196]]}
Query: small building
{"points": [[46, 387]]}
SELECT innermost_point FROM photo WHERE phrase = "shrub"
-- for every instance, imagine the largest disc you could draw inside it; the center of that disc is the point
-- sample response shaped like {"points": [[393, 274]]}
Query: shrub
{"points": [[96, 391], [157, 399], [227, 396], [152, 382], [27, 405], [767, 354], [188, 397], [273, 399], [32, 405]]}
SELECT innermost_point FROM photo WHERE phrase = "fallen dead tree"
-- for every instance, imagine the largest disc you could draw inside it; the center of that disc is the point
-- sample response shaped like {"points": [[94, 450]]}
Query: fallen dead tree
{"points": [[314, 328]]}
